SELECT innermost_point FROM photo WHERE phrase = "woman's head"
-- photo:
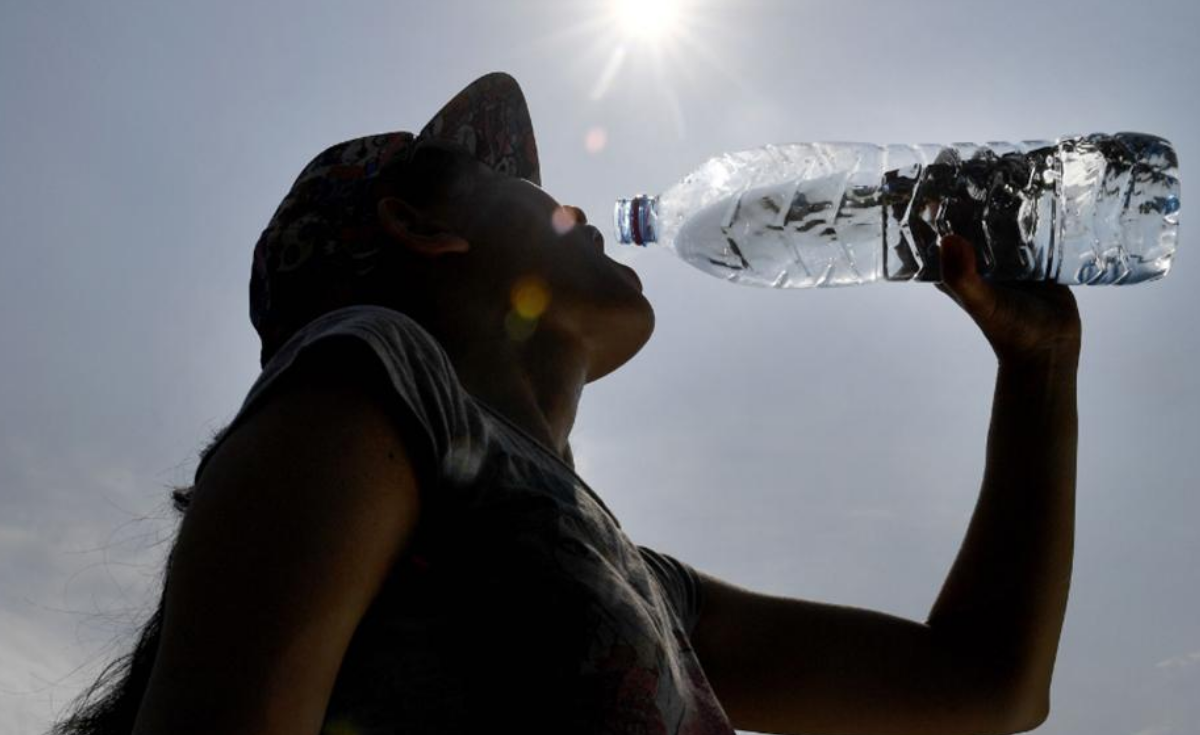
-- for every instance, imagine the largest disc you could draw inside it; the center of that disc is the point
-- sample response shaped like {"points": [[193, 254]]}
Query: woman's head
{"points": [[322, 239], [457, 246]]}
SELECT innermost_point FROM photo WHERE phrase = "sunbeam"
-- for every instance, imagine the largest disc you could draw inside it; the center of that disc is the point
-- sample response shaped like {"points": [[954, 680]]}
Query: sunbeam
{"points": [[610, 72], [681, 44]]}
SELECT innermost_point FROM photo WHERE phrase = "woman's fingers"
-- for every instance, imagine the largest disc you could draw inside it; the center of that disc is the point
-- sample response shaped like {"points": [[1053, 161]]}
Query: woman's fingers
{"points": [[960, 276]]}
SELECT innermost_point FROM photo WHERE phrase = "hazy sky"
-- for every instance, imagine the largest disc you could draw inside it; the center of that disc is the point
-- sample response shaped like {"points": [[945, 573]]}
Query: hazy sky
{"points": [[825, 444]]}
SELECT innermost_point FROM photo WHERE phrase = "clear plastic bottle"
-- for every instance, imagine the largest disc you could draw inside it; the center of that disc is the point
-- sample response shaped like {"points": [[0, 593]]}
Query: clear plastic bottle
{"points": [[1096, 209]]}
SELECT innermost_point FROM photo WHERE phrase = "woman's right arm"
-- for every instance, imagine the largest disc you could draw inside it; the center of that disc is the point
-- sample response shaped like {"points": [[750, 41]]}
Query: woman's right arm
{"points": [[298, 518]]}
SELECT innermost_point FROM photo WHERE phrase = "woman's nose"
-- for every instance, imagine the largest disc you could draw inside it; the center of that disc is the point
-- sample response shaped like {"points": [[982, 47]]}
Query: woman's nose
{"points": [[580, 217]]}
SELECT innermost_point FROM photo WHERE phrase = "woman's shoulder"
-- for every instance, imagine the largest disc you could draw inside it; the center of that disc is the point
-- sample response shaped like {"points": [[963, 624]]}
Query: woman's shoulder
{"points": [[380, 322], [377, 348]]}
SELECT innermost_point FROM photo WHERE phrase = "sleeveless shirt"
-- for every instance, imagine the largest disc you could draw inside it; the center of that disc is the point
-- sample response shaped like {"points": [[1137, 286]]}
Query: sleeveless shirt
{"points": [[520, 604]]}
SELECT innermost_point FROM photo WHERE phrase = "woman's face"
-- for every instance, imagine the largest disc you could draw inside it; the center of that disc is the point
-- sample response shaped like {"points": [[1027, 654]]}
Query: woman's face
{"points": [[530, 253]]}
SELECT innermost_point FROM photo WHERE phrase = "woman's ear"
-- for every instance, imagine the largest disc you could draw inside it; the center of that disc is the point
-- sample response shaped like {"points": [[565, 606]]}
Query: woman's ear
{"points": [[416, 231]]}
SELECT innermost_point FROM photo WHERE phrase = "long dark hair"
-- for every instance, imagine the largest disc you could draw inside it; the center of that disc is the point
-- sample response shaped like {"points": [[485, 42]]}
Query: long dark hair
{"points": [[109, 706]]}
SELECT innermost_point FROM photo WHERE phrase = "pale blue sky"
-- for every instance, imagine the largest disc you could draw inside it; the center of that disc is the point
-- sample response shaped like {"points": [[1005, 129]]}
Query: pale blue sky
{"points": [[825, 444]]}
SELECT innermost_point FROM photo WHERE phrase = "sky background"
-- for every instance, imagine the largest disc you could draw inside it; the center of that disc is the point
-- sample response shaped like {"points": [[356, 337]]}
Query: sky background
{"points": [[825, 444]]}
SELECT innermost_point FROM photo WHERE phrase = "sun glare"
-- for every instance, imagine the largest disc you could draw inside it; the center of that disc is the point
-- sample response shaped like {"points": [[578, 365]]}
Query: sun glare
{"points": [[648, 20], [663, 44]]}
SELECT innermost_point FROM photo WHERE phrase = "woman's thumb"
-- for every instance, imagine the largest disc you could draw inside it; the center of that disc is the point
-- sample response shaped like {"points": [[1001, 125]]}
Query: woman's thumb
{"points": [[948, 245], [960, 272], [958, 260]]}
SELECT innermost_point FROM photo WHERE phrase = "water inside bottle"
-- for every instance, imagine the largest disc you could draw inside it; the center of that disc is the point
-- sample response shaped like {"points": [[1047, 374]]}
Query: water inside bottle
{"points": [[1092, 210]]}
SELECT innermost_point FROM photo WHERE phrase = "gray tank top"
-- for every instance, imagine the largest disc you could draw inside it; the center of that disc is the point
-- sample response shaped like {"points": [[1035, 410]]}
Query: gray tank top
{"points": [[520, 605]]}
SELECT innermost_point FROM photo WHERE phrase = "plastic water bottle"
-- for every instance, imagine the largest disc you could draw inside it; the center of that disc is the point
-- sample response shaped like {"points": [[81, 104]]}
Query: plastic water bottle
{"points": [[1096, 209]]}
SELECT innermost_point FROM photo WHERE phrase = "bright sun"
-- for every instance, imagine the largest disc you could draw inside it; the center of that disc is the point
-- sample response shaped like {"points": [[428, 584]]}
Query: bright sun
{"points": [[647, 20], [669, 40]]}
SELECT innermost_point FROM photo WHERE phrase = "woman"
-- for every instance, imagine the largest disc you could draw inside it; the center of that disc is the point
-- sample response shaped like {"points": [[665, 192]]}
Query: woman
{"points": [[390, 535]]}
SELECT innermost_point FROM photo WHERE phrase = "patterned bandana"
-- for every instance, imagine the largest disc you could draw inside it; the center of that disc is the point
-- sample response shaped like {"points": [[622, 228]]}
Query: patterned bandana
{"points": [[326, 220]]}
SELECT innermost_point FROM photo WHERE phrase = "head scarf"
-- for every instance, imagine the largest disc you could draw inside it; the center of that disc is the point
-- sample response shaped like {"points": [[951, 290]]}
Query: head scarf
{"points": [[325, 223]]}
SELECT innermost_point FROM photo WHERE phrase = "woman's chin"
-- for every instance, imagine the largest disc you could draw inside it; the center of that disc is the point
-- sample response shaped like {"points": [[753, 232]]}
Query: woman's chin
{"points": [[621, 335]]}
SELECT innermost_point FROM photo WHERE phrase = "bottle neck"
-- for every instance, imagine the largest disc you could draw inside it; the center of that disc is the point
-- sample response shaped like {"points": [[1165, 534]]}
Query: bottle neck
{"points": [[636, 220]]}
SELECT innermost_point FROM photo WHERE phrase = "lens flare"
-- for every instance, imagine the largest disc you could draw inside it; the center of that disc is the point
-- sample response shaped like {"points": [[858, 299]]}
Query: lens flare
{"points": [[562, 220], [519, 328], [595, 140], [339, 727], [530, 297]]}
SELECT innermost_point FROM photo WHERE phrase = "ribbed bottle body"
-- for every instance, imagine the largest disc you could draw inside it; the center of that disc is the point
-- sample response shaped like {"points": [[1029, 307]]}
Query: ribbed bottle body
{"points": [[1098, 209]]}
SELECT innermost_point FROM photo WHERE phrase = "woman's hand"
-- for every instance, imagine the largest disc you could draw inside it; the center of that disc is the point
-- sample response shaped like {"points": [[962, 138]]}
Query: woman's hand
{"points": [[1024, 322]]}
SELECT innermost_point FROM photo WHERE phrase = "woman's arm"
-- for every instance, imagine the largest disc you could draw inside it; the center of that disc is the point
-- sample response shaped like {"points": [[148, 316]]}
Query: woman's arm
{"points": [[982, 662], [298, 517]]}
